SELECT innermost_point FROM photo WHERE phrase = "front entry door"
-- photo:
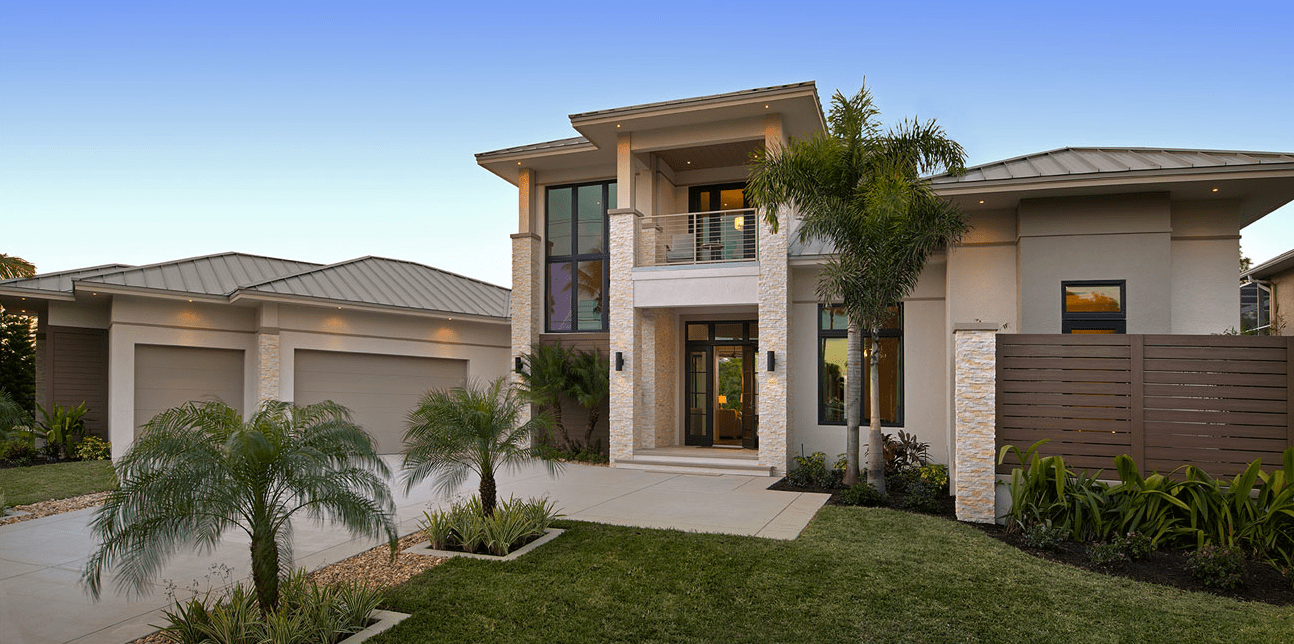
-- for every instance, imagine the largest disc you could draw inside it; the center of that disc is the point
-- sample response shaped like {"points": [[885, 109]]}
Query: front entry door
{"points": [[719, 385]]}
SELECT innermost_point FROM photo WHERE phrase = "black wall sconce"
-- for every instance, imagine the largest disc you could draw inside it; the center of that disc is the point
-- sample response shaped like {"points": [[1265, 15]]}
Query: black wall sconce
{"points": [[517, 364], [772, 361], [620, 361]]}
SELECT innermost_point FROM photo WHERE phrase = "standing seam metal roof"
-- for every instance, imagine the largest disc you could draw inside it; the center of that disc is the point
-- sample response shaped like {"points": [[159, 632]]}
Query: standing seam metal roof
{"points": [[219, 274], [60, 281], [1080, 161], [392, 282]]}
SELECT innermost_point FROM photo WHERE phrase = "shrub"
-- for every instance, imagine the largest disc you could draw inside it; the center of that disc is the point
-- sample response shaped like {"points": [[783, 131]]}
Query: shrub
{"points": [[812, 471], [93, 448], [577, 454], [61, 428], [1042, 535], [1108, 554], [904, 453], [863, 494], [935, 476], [18, 452], [465, 527], [307, 613], [1216, 565], [920, 498]]}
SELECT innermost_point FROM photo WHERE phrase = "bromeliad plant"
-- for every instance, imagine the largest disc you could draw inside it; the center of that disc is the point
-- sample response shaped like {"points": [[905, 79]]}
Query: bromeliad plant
{"points": [[464, 527], [200, 469], [61, 427]]}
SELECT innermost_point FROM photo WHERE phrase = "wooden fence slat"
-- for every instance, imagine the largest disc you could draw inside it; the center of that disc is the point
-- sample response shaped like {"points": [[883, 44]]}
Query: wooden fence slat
{"points": [[1237, 379], [1212, 441], [1073, 424], [1215, 366], [1274, 354], [1221, 417], [1162, 340], [1054, 338], [1222, 431], [1202, 457], [1025, 387], [1216, 391], [1065, 351], [1027, 437], [1112, 364], [1215, 404], [1061, 375], [1069, 400], [1057, 411]]}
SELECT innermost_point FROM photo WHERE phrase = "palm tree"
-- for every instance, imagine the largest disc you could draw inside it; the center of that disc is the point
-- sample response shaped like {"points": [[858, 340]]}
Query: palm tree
{"points": [[11, 267], [470, 429], [200, 469], [590, 385], [860, 188], [545, 381]]}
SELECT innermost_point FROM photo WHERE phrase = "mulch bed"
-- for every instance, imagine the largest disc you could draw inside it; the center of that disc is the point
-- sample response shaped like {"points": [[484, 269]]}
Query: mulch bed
{"points": [[1262, 581]]}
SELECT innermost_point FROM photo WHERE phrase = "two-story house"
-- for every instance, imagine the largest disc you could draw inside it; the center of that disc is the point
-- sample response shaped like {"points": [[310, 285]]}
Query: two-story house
{"points": [[636, 238]]}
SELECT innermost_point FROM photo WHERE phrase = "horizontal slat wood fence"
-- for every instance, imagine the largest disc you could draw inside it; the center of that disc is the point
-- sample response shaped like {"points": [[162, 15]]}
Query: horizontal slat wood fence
{"points": [[1214, 401]]}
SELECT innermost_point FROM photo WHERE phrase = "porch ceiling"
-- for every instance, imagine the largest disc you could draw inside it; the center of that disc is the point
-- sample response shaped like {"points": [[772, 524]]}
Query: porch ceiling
{"points": [[721, 155]]}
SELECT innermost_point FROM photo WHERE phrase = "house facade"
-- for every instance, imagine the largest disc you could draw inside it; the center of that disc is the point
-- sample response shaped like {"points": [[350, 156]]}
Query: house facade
{"points": [[635, 238], [1267, 296], [373, 334]]}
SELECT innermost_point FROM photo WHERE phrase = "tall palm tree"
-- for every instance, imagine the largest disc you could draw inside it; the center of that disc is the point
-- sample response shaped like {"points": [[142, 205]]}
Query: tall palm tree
{"points": [[11, 267], [860, 187], [200, 469], [545, 380], [475, 428]]}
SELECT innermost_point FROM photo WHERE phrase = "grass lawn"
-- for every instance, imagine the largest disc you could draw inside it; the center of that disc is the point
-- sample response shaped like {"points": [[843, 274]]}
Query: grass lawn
{"points": [[24, 485], [869, 575]]}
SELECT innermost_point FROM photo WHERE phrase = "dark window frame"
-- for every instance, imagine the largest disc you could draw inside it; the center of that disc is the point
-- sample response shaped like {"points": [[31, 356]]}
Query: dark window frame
{"points": [[1081, 320], [575, 258], [694, 206], [825, 334]]}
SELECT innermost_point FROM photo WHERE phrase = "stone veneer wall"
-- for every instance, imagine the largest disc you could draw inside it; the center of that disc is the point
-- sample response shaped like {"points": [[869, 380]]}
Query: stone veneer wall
{"points": [[526, 282], [975, 398], [773, 387], [667, 377], [645, 381], [267, 367], [623, 333]]}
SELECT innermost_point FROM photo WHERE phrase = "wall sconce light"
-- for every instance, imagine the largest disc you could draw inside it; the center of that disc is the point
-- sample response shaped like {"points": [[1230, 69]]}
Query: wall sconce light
{"points": [[517, 364], [723, 400], [620, 361], [772, 361]]}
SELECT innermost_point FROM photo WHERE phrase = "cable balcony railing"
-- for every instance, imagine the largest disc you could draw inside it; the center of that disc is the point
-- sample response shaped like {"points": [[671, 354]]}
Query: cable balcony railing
{"points": [[697, 238]]}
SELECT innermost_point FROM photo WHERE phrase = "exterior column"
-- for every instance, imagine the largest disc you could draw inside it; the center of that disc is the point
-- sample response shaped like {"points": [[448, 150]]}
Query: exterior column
{"points": [[527, 305], [645, 383], [267, 367], [773, 387], [974, 429], [624, 334]]}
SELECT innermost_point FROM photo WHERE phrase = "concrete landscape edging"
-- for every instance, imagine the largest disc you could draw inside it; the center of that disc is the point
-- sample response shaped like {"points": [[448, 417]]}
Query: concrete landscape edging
{"points": [[385, 620], [425, 548]]}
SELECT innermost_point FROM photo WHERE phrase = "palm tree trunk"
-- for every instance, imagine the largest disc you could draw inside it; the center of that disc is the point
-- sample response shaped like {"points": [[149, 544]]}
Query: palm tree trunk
{"points": [[265, 569], [589, 427], [488, 493], [853, 402], [875, 444], [561, 427]]}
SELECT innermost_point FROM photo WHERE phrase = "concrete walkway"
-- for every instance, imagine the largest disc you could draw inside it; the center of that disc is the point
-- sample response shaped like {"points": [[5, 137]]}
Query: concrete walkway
{"points": [[42, 599]]}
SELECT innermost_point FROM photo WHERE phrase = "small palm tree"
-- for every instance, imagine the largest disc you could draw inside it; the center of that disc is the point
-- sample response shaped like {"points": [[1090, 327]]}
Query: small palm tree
{"points": [[11, 267], [590, 384], [200, 469], [470, 429], [545, 380]]}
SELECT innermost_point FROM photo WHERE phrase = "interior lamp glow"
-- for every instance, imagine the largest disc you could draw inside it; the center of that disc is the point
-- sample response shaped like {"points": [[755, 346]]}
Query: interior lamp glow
{"points": [[739, 222]]}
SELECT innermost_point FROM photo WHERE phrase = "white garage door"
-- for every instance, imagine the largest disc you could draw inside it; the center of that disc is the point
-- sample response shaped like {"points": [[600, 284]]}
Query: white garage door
{"points": [[166, 377], [379, 390]]}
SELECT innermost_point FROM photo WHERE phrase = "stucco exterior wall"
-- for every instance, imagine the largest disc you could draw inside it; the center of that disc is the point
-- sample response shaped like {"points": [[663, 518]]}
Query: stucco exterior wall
{"points": [[1106, 238], [1205, 245], [1283, 302]]}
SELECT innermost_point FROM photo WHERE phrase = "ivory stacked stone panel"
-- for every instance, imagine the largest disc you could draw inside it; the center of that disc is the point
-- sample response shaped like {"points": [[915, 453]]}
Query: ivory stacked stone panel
{"points": [[974, 382]]}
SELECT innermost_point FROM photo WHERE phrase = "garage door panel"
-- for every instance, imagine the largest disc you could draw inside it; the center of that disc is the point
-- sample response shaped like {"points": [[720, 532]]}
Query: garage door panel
{"points": [[167, 377], [380, 390]]}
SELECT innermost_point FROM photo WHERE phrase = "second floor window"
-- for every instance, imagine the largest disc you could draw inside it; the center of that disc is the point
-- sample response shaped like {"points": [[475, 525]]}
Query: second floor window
{"points": [[576, 268]]}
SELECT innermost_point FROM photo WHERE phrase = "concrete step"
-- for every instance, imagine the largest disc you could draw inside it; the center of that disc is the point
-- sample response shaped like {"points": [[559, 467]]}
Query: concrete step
{"points": [[702, 465]]}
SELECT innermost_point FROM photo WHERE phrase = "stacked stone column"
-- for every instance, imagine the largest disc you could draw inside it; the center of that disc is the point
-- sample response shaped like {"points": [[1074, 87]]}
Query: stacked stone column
{"points": [[974, 409]]}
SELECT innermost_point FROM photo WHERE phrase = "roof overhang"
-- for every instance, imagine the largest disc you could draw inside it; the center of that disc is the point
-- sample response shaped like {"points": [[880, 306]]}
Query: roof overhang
{"points": [[1270, 268], [1259, 189], [252, 296]]}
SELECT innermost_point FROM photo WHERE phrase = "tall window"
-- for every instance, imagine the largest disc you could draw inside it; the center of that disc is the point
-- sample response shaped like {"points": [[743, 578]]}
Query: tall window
{"points": [[576, 240], [1093, 307], [833, 369], [1255, 308]]}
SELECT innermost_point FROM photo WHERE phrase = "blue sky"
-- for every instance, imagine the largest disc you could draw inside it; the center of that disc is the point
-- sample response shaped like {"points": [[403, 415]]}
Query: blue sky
{"points": [[143, 131]]}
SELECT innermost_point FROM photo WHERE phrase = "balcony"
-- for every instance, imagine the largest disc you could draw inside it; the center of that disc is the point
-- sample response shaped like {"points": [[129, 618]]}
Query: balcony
{"points": [[691, 238]]}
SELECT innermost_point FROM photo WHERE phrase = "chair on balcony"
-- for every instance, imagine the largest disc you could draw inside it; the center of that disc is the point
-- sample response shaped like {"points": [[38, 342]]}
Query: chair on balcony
{"points": [[682, 248]]}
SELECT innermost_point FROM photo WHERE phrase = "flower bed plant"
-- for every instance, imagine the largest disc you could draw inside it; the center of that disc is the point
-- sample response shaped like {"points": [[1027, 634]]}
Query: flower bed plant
{"points": [[465, 527]]}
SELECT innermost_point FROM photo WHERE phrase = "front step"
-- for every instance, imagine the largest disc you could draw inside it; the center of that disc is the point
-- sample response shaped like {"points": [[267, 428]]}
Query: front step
{"points": [[703, 465]]}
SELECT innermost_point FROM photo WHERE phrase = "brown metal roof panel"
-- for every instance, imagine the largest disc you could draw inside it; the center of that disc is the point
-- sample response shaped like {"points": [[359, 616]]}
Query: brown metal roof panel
{"points": [[60, 281], [1045, 166]]}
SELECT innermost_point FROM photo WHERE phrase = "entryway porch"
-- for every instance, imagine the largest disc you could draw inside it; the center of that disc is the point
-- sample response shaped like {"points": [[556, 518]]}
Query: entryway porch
{"points": [[713, 461]]}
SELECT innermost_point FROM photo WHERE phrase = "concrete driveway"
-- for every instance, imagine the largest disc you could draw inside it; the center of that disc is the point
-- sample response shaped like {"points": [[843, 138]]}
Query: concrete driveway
{"points": [[42, 599]]}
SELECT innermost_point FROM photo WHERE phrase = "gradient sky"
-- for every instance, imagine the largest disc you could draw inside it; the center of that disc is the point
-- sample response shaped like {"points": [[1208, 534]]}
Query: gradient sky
{"points": [[138, 132]]}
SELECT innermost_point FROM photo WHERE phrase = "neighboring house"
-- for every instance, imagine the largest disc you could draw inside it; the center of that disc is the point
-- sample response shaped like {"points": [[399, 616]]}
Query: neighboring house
{"points": [[635, 238], [373, 334], [1267, 296]]}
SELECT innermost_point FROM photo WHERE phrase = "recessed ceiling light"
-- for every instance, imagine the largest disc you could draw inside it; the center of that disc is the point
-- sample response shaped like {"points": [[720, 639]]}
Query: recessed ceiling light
{"points": [[981, 201], [190, 300], [689, 163], [617, 126], [765, 107], [1215, 190], [518, 163]]}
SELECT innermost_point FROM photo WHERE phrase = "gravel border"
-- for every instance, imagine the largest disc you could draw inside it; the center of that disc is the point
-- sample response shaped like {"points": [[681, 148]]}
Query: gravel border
{"points": [[57, 506]]}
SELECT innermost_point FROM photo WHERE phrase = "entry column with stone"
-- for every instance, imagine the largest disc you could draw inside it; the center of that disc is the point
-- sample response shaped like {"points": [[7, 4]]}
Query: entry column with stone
{"points": [[975, 424]]}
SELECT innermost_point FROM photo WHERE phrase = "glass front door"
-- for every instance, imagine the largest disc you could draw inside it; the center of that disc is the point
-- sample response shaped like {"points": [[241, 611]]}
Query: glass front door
{"points": [[720, 384]]}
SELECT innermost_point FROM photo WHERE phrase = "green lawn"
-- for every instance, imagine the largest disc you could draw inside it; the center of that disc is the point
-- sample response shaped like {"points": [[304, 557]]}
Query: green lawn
{"points": [[869, 575], [24, 485]]}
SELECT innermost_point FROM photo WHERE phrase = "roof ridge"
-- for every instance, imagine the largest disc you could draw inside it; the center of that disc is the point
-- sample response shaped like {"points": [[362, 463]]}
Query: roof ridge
{"points": [[694, 99], [208, 256], [377, 257]]}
